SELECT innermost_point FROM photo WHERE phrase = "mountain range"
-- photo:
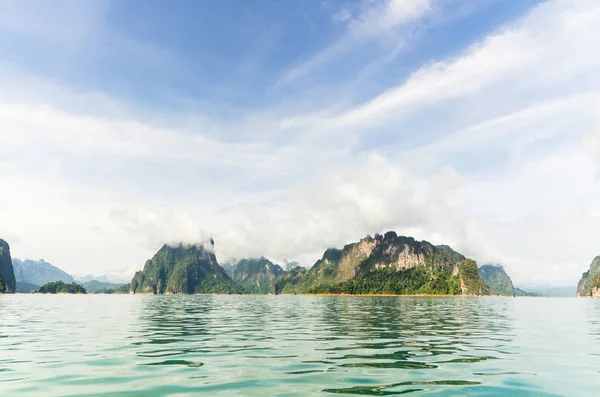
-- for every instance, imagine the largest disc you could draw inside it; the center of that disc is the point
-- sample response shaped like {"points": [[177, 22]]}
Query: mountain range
{"points": [[382, 264], [31, 275], [39, 272]]}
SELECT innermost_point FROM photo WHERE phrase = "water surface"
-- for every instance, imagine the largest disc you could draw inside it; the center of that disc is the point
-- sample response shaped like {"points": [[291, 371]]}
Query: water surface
{"points": [[111, 345]]}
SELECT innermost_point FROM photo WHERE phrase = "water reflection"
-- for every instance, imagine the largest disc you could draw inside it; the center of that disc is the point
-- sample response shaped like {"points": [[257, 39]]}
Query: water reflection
{"points": [[300, 337], [298, 346]]}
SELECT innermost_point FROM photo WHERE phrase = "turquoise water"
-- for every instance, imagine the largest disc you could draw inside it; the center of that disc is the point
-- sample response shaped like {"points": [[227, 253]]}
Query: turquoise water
{"points": [[107, 345]]}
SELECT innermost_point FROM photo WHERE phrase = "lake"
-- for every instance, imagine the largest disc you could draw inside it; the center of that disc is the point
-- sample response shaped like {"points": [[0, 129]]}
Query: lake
{"points": [[125, 345]]}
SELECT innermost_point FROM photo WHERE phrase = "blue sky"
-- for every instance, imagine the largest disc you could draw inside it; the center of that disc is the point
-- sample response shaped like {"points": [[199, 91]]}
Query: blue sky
{"points": [[284, 127]]}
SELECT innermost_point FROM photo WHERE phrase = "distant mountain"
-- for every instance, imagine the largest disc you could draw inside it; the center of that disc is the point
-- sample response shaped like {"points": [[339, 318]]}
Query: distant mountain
{"points": [[89, 277], [95, 286], [26, 288], [256, 276], [102, 279], [497, 282], [7, 273], [550, 290], [589, 285], [388, 264], [39, 272], [183, 269]]}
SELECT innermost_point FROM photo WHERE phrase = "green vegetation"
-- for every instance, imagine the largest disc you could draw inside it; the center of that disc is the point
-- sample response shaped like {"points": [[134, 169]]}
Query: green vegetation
{"points": [[183, 269], [596, 282], [290, 282], [39, 272], [417, 280], [60, 287], [589, 278], [7, 273], [2, 287], [387, 264], [256, 276], [496, 280], [469, 277]]}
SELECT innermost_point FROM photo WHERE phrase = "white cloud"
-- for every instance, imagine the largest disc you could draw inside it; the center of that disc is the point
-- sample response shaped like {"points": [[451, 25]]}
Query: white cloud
{"points": [[494, 152], [554, 43]]}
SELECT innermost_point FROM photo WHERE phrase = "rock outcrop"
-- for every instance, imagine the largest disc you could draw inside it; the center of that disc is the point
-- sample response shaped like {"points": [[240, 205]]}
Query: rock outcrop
{"points": [[388, 264], [590, 280], [8, 282], [183, 269]]}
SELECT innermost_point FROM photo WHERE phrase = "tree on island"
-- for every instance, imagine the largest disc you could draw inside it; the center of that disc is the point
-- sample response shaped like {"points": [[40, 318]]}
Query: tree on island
{"points": [[2, 287], [58, 287]]}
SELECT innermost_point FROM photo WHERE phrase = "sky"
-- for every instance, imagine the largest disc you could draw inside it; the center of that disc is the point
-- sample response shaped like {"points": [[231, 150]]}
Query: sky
{"points": [[282, 128]]}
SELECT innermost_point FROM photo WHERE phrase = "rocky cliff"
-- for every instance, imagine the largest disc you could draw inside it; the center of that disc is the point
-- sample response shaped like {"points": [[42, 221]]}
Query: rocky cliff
{"points": [[7, 273], [496, 281], [389, 264], [257, 275], [590, 279], [183, 269]]}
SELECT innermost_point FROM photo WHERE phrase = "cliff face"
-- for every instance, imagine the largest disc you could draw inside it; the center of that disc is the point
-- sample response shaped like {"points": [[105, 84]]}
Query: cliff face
{"points": [[590, 279], [496, 280], [7, 274], [256, 276], [183, 269], [470, 282], [389, 264]]}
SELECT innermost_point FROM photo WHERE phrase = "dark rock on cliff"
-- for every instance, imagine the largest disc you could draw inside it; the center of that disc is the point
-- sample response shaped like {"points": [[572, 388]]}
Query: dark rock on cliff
{"points": [[8, 283]]}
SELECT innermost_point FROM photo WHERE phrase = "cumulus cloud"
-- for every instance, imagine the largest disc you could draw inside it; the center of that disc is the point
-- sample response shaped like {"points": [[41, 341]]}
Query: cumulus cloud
{"points": [[493, 151]]}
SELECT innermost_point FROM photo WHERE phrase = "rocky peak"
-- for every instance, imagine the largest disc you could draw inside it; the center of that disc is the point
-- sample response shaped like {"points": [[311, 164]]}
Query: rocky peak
{"points": [[7, 273], [588, 279], [183, 269]]}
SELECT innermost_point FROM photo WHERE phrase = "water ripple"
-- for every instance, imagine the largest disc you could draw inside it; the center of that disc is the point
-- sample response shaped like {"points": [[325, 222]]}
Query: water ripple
{"points": [[297, 346]]}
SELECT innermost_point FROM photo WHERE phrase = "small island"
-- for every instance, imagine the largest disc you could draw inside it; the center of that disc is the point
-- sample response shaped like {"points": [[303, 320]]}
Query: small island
{"points": [[60, 287]]}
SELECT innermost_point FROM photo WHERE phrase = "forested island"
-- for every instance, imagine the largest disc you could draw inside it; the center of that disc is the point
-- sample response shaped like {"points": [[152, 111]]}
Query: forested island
{"points": [[60, 287], [383, 264]]}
